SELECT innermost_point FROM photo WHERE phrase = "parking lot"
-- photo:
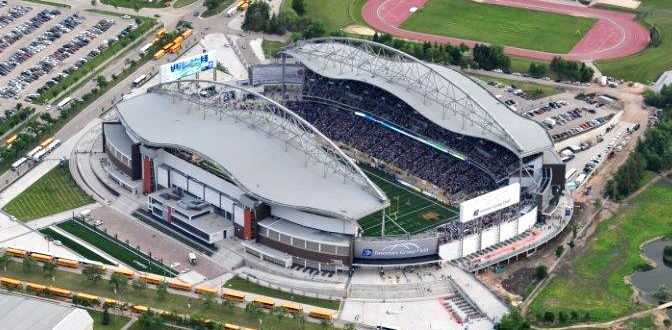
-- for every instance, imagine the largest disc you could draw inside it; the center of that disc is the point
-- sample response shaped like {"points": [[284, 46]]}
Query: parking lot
{"points": [[565, 117], [48, 43]]}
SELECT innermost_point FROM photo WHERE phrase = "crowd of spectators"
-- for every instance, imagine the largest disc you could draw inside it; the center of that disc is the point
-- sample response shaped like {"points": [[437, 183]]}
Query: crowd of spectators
{"points": [[448, 173], [329, 105], [496, 160]]}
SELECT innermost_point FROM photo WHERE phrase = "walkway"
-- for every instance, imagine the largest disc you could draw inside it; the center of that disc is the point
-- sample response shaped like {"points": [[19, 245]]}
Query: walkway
{"points": [[616, 34]]}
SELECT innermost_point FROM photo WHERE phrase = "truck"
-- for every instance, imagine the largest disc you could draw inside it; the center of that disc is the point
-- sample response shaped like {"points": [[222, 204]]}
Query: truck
{"points": [[192, 258]]}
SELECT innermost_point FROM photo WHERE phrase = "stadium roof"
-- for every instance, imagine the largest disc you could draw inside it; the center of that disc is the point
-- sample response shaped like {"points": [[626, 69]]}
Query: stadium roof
{"points": [[444, 96], [19, 313], [268, 150]]}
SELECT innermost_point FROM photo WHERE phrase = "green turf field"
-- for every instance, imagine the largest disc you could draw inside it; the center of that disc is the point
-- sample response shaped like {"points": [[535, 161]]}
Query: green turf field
{"points": [[112, 248], [414, 211], [335, 14], [648, 65], [506, 26], [53, 193], [74, 246], [241, 284], [595, 283]]}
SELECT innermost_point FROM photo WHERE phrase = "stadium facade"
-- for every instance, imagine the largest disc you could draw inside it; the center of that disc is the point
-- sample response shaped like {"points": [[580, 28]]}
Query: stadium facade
{"points": [[217, 160]]}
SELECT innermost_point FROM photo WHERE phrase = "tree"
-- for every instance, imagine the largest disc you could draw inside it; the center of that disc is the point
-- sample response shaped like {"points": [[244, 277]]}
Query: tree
{"points": [[513, 321], [101, 81], [663, 294], [549, 317], [541, 272], [279, 312], [254, 310], [28, 264], [93, 273], [49, 268], [326, 325], [161, 290], [559, 250], [667, 251], [300, 320], [208, 298], [299, 7], [106, 317], [149, 321], [562, 317], [4, 261], [120, 282], [667, 323], [211, 4], [228, 305], [350, 326], [491, 57], [139, 285]]}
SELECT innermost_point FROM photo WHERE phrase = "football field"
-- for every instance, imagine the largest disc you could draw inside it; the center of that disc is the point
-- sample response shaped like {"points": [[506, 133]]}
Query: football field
{"points": [[500, 25], [411, 212]]}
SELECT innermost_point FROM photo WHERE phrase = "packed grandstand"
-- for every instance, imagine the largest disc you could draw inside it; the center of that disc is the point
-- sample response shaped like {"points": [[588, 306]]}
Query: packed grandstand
{"points": [[377, 158]]}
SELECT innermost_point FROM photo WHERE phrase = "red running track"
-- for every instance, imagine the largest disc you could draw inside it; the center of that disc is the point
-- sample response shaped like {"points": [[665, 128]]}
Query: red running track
{"points": [[615, 35]]}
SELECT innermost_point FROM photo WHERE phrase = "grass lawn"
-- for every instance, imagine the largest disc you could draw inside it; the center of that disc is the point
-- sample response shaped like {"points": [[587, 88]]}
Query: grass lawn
{"points": [[415, 212], [596, 282], [135, 3], [648, 65], [221, 6], [522, 64], [172, 302], [500, 25], [74, 246], [533, 91], [182, 3], [269, 47], [53, 193], [112, 248], [238, 283], [116, 321], [50, 3], [333, 13]]}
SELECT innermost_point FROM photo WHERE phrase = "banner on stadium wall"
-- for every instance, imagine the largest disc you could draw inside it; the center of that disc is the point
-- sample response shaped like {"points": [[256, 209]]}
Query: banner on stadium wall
{"points": [[490, 202], [377, 248], [187, 66], [263, 74]]}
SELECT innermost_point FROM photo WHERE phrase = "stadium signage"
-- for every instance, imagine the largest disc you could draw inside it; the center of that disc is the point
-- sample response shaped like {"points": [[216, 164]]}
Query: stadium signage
{"points": [[273, 74], [490, 202], [368, 248], [187, 66]]}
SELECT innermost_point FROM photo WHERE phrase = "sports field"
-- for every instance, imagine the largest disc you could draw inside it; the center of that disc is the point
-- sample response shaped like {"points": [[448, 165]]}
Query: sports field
{"points": [[53, 193], [648, 65], [411, 212], [595, 282], [501, 25]]}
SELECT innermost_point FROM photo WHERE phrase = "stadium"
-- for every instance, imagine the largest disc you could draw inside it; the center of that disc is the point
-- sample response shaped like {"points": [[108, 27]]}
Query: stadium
{"points": [[345, 153]]}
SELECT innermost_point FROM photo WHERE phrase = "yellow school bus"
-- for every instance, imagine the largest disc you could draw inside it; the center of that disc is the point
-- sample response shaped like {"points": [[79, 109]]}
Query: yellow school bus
{"points": [[322, 314], [10, 282], [41, 257], [179, 285], [124, 272], [265, 302], [139, 309], [16, 252], [293, 308], [233, 295], [201, 289], [152, 279], [68, 263], [35, 287], [59, 292]]}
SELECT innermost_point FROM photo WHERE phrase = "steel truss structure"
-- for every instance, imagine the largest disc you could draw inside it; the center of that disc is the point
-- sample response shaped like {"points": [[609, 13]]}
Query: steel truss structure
{"points": [[260, 112], [364, 57]]}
